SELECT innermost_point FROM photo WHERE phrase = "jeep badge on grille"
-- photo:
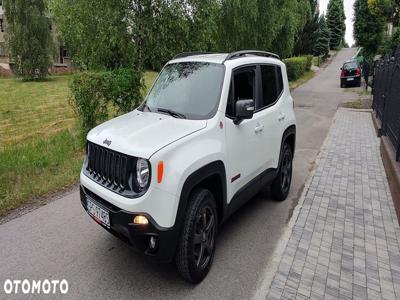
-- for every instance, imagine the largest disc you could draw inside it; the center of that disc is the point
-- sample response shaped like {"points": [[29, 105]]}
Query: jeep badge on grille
{"points": [[107, 142]]}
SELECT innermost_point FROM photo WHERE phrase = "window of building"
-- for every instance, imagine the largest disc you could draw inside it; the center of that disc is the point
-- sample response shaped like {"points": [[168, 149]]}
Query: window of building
{"points": [[1, 24]]}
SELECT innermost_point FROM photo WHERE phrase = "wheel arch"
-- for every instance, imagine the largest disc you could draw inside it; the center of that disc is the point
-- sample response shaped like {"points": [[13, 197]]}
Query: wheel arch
{"points": [[211, 176], [289, 135]]}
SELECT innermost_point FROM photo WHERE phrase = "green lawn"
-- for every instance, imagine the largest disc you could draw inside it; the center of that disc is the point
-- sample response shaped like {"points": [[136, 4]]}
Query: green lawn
{"points": [[40, 150]]}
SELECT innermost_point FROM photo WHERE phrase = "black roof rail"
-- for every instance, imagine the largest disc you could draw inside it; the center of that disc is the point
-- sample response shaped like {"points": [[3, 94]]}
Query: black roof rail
{"points": [[237, 54], [186, 54]]}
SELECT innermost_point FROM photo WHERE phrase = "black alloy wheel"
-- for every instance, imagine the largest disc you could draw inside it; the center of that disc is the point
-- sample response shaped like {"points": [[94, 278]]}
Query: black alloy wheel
{"points": [[281, 185], [197, 242], [286, 172]]}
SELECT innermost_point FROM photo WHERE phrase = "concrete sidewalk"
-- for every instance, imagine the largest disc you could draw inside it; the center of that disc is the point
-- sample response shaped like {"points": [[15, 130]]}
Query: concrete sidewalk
{"points": [[345, 242]]}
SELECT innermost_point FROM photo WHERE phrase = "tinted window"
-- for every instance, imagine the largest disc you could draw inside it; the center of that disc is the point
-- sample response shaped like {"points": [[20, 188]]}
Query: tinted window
{"points": [[189, 88], [350, 66], [242, 88], [272, 85]]}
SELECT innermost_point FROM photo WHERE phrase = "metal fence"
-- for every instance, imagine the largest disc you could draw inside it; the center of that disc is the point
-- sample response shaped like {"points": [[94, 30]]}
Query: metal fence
{"points": [[386, 97]]}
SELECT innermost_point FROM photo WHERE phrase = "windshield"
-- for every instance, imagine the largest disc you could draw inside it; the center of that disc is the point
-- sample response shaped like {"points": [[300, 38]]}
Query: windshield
{"points": [[350, 66], [189, 89]]}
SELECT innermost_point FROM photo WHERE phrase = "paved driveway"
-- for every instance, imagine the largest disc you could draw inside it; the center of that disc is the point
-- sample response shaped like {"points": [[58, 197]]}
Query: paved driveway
{"points": [[345, 242], [60, 241]]}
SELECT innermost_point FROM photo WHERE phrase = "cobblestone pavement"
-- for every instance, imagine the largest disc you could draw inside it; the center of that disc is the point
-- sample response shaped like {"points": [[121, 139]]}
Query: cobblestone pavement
{"points": [[345, 243]]}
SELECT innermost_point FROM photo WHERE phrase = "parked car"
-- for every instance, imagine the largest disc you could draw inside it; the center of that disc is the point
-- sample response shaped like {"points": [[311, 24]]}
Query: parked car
{"points": [[350, 74], [214, 130]]}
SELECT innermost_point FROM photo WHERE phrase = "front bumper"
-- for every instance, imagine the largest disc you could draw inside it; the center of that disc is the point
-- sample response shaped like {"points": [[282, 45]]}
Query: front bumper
{"points": [[138, 236]]}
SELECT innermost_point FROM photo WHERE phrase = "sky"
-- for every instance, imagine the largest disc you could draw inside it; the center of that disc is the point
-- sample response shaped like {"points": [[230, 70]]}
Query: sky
{"points": [[348, 8]]}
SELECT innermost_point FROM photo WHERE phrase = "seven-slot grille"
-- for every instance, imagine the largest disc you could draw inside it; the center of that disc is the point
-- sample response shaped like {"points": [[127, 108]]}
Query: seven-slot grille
{"points": [[109, 168]]}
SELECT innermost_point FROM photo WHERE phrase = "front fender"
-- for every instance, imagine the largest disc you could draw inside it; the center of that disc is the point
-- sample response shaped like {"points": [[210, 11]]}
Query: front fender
{"points": [[185, 157]]}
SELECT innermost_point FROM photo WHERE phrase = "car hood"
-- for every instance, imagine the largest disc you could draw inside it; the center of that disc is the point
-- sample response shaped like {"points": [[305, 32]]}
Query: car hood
{"points": [[141, 134]]}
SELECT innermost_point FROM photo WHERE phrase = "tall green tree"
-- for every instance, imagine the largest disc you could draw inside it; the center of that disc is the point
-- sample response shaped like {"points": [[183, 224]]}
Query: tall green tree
{"points": [[368, 28], [28, 37], [335, 19], [321, 46], [271, 25], [95, 32], [308, 36], [159, 28], [203, 27]]}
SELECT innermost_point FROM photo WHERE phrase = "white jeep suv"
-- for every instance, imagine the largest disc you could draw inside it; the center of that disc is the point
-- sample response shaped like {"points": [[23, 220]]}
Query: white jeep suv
{"points": [[212, 132]]}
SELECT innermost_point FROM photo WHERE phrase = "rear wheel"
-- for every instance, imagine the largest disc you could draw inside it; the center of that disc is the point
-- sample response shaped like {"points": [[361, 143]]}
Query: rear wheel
{"points": [[342, 84], [281, 185], [197, 242]]}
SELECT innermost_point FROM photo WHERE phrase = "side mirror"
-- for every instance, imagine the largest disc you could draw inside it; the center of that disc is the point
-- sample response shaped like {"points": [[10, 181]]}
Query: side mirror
{"points": [[244, 110]]}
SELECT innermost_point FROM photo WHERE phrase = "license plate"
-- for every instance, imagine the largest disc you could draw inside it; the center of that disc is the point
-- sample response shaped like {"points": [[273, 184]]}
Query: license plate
{"points": [[350, 79], [99, 214]]}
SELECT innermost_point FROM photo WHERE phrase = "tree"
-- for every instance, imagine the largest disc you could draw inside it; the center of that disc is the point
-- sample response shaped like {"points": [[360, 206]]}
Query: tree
{"points": [[271, 25], [368, 28], [335, 19], [308, 36], [323, 36], [95, 32], [159, 28], [28, 37]]}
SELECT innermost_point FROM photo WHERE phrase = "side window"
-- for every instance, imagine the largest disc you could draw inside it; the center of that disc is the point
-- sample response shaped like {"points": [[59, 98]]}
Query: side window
{"points": [[243, 86], [269, 86]]}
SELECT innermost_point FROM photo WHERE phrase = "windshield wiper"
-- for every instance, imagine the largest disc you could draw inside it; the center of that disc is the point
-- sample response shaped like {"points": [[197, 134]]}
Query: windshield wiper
{"points": [[172, 113]]}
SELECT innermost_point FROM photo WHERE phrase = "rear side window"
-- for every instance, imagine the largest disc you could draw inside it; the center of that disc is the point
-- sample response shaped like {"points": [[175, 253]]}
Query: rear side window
{"points": [[272, 85]]}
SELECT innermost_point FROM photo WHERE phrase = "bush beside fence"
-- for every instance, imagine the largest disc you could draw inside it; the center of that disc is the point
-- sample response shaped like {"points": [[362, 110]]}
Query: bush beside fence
{"points": [[386, 98]]}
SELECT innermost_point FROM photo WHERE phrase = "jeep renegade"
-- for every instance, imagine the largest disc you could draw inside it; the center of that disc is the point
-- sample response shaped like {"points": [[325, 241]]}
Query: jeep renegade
{"points": [[212, 132]]}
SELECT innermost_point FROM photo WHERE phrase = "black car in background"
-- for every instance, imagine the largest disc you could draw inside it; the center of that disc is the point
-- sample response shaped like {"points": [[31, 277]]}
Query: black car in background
{"points": [[350, 74]]}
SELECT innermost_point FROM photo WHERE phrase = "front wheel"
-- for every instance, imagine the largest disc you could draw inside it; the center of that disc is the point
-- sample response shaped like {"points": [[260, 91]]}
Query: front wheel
{"points": [[281, 185], [197, 242]]}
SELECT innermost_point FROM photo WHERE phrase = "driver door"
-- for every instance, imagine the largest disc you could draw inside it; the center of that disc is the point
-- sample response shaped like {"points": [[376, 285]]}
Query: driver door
{"points": [[244, 141]]}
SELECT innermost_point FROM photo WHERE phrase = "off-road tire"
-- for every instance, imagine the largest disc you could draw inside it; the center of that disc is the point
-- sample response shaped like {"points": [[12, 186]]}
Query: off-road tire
{"points": [[280, 187], [187, 264]]}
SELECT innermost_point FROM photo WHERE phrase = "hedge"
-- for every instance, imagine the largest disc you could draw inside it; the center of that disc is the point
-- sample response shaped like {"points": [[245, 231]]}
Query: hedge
{"points": [[297, 66], [97, 96]]}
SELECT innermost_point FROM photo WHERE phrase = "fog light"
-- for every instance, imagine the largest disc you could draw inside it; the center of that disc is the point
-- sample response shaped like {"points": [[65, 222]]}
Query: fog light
{"points": [[140, 220]]}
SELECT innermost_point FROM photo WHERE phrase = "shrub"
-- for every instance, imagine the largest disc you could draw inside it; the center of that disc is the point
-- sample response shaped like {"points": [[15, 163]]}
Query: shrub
{"points": [[96, 96], [296, 66], [309, 62], [123, 88], [87, 99]]}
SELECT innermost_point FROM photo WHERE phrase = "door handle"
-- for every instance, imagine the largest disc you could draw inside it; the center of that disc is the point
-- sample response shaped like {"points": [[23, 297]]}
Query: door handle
{"points": [[259, 128], [281, 117]]}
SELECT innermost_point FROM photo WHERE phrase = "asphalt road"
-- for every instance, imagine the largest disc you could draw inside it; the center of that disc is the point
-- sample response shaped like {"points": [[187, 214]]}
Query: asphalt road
{"points": [[59, 240]]}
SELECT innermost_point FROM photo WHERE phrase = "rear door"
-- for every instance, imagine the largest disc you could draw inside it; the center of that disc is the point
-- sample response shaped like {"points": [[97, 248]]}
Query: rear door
{"points": [[270, 114]]}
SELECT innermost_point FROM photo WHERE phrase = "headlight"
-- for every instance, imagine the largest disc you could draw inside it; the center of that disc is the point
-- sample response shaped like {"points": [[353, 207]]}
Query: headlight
{"points": [[142, 172]]}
